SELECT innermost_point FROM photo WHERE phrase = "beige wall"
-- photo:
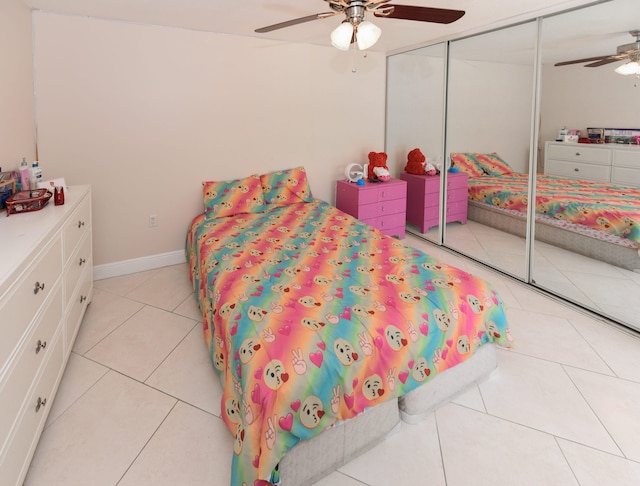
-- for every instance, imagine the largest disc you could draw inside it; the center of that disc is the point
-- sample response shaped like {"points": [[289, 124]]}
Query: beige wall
{"points": [[17, 129], [145, 113], [579, 98]]}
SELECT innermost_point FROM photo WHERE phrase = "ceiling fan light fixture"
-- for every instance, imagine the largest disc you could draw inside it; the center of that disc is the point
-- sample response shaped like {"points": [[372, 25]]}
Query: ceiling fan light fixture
{"points": [[367, 35], [342, 35], [632, 67]]}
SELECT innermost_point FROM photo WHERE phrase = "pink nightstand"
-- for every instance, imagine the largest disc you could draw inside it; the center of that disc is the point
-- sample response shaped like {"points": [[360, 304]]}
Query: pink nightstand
{"points": [[423, 199], [382, 205]]}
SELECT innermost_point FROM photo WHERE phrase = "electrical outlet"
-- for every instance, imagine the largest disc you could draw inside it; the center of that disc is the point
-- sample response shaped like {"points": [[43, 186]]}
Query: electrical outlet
{"points": [[153, 221]]}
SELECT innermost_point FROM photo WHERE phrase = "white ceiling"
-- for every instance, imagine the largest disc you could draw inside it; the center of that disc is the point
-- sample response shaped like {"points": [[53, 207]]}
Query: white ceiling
{"points": [[582, 33], [235, 17]]}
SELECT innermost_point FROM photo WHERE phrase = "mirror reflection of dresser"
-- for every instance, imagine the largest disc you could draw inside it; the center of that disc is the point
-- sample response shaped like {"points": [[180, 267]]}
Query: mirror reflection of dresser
{"points": [[615, 163]]}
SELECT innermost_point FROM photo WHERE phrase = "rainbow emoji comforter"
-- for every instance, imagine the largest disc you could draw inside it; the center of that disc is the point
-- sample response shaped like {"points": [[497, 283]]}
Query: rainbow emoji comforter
{"points": [[611, 209], [311, 317]]}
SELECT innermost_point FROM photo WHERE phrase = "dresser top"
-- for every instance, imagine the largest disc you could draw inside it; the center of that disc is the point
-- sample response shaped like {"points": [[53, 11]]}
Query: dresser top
{"points": [[616, 146], [372, 185], [22, 235]]}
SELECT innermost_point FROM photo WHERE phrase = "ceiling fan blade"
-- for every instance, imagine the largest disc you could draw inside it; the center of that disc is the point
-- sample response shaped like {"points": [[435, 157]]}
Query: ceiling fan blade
{"points": [[579, 61], [607, 60], [300, 20], [422, 14]]}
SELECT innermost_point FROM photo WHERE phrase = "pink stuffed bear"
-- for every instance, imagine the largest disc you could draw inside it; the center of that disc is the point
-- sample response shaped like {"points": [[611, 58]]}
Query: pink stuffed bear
{"points": [[378, 170]]}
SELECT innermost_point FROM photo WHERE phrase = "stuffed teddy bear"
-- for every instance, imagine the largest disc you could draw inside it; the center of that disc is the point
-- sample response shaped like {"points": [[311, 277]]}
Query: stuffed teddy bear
{"points": [[415, 162], [378, 170]]}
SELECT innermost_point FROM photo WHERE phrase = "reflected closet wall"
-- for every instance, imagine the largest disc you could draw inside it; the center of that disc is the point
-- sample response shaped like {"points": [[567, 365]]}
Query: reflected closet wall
{"points": [[493, 93]]}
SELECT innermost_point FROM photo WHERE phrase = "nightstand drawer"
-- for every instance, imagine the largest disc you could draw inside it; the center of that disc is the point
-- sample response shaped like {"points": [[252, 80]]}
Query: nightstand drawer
{"points": [[388, 221], [457, 180], [457, 195], [392, 206]]}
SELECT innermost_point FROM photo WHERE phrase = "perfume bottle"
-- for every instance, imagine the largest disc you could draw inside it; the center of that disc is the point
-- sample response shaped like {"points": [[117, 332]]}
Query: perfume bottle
{"points": [[58, 195]]}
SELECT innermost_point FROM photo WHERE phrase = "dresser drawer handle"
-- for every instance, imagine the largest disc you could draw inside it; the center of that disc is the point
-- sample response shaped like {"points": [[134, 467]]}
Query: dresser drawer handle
{"points": [[82, 261], [41, 403], [38, 287], [577, 154], [576, 170], [83, 298], [80, 224], [40, 345]]}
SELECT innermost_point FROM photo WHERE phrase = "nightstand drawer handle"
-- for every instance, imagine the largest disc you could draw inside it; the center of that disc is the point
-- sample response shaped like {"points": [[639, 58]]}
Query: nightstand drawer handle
{"points": [[83, 298], [40, 345], [80, 224], [82, 261], [576, 169], [38, 287], [41, 403], [577, 154]]}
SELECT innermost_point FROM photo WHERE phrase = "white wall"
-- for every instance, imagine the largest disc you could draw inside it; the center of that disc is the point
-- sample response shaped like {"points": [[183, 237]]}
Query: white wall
{"points": [[17, 128], [144, 114], [415, 106], [489, 109], [579, 98]]}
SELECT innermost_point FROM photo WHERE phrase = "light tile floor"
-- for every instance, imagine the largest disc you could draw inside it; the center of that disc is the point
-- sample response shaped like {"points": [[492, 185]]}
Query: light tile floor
{"points": [[607, 289], [139, 401]]}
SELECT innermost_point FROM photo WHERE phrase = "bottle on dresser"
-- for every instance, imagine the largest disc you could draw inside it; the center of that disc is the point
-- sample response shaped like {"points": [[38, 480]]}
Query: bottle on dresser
{"points": [[35, 175], [24, 175]]}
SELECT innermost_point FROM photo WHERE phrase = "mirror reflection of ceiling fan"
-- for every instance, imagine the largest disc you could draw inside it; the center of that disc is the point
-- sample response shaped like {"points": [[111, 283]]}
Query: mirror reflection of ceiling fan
{"points": [[354, 29], [629, 52]]}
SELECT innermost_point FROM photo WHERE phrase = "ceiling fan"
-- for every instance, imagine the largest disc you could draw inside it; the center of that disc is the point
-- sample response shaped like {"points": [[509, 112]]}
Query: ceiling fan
{"points": [[355, 29], [631, 52]]}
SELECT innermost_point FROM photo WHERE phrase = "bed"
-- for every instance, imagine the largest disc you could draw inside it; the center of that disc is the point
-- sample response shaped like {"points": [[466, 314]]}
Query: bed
{"points": [[323, 330], [596, 219]]}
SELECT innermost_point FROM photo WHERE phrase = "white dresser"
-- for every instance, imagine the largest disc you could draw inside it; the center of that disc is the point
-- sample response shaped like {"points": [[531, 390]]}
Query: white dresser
{"points": [[46, 283], [615, 163]]}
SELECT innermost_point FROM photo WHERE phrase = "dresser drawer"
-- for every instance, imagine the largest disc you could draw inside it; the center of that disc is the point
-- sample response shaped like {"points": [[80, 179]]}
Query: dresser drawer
{"points": [[76, 227], [22, 443], [80, 260], [573, 170], [393, 206], [76, 308], [627, 158], [626, 176], [21, 304], [34, 351], [579, 153]]}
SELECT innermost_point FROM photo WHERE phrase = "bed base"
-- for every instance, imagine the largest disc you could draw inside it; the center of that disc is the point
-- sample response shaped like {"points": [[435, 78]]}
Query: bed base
{"points": [[604, 251], [311, 460], [417, 404]]}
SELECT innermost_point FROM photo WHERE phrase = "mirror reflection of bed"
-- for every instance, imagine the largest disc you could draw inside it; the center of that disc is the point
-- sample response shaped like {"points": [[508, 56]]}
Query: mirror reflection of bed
{"points": [[498, 102]]}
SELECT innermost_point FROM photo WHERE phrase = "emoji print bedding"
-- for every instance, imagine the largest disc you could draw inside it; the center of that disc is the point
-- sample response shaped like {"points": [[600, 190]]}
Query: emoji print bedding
{"points": [[311, 317]]}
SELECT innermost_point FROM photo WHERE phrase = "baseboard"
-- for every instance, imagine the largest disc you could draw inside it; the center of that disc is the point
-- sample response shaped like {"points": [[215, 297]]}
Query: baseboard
{"points": [[141, 264]]}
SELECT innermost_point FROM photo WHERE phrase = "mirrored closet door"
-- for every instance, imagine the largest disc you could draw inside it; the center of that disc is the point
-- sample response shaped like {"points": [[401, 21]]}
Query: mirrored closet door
{"points": [[415, 120], [489, 122], [504, 102], [586, 247]]}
